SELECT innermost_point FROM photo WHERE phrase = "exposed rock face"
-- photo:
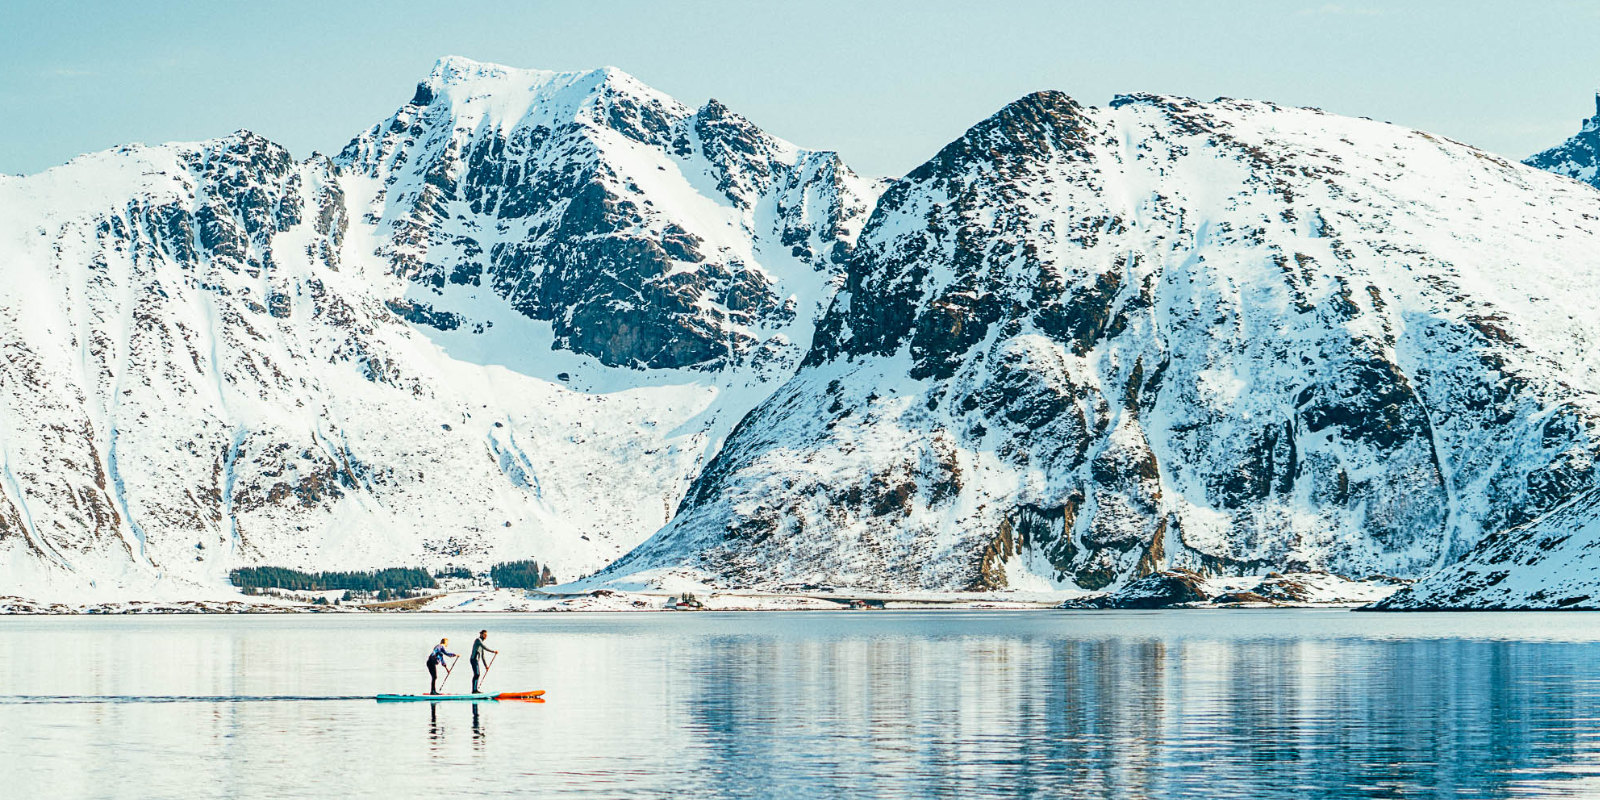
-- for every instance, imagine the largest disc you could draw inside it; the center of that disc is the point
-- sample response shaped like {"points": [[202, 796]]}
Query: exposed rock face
{"points": [[1578, 157], [215, 356], [647, 234], [1283, 589], [1189, 589], [1082, 345], [1156, 590]]}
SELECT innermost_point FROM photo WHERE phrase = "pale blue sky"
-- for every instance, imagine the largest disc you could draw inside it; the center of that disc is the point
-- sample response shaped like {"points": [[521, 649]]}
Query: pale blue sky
{"points": [[886, 84]]}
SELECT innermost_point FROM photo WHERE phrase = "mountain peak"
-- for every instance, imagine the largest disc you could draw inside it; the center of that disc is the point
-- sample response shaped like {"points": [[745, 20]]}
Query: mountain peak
{"points": [[453, 69], [1047, 98], [1578, 157], [464, 77], [1027, 128], [477, 91], [1042, 114], [481, 77]]}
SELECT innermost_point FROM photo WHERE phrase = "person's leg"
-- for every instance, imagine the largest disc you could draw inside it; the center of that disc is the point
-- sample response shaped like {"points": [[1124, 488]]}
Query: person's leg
{"points": [[475, 676], [433, 678]]}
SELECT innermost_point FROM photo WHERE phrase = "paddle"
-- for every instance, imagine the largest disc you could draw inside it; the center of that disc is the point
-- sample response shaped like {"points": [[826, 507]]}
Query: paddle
{"points": [[486, 668], [447, 671]]}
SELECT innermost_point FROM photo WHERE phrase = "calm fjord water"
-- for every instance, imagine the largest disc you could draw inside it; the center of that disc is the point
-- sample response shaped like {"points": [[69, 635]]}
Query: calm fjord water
{"points": [[1214, 704]]}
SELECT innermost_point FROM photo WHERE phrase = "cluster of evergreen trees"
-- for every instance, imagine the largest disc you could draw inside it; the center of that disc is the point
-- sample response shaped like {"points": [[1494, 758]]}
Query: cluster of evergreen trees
{"points": [[521, 575], [386, 583], [393, 579]]}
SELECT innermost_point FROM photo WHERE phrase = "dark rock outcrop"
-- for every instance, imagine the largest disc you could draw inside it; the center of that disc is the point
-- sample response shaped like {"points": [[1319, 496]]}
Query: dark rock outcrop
{"points": [[1577, 158], [1158, 590]]}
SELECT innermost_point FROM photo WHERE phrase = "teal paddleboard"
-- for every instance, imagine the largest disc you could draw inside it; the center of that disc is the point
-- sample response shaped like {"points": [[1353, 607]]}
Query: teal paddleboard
{"points": [[395, 698]]}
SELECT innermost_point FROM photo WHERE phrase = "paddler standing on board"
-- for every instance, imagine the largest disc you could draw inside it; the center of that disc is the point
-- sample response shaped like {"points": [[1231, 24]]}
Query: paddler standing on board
{"points": [[480, 665], [435, 659]]}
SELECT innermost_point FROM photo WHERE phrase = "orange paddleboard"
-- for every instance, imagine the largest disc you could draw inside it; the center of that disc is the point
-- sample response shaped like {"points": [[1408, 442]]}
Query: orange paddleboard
{"points": [[519, 695]]}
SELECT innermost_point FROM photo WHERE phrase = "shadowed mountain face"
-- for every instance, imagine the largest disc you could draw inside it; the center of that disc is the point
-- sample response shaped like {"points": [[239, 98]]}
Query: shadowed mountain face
{"points": [[1082, 344], [1550, 563], [525, 296]]}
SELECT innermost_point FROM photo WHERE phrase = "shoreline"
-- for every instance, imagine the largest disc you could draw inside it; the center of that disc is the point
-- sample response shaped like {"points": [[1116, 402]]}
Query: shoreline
{"points": [[474, 603], [784, 603], [1174, 589]]}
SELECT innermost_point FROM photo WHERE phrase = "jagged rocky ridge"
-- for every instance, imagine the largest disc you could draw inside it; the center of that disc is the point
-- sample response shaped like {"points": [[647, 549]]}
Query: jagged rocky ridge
{"points": [[1081, 345], [1577, 158], [526, 296], [644, 233]]}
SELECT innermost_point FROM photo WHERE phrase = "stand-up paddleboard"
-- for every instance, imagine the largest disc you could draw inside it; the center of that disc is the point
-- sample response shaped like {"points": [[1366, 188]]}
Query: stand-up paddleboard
{"points": [[436, 698]]}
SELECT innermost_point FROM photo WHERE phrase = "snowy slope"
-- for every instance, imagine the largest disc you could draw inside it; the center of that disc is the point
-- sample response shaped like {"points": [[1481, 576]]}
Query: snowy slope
{"points": [[1554, 561], [216, 356], [1083, 344], [1550, 563], [1577, 158]]}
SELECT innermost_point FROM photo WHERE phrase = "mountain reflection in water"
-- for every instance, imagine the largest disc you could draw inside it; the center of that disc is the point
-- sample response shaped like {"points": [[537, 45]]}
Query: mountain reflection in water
{"points": [[1258, 704]]}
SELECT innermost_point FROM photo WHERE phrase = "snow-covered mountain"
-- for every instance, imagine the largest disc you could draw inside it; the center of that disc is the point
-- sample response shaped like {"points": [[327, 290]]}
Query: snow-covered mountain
{"points": [[1082, 344], [542, 315], [525, 298], [1578, 157]]}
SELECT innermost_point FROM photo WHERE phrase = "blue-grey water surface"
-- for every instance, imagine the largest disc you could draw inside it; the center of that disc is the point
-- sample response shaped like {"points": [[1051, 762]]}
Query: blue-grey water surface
{"points": [[1212, 704]]}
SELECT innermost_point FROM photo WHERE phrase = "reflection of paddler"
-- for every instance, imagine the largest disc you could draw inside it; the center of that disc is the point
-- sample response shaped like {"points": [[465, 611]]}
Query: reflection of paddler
{"points": [[435, 660], [480, 666]]}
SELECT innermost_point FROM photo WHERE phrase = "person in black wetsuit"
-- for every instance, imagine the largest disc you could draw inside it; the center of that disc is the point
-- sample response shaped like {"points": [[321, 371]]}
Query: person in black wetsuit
{"points": [[435, 659], [479, 663]]}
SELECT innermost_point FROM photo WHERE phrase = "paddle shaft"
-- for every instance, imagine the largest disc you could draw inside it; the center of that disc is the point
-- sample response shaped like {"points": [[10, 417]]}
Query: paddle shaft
{"points": [[447, 670], [486, 668]]}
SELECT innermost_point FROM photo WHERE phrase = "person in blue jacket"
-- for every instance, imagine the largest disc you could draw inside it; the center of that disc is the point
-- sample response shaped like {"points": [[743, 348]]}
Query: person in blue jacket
{"points": [[435, 659]]}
